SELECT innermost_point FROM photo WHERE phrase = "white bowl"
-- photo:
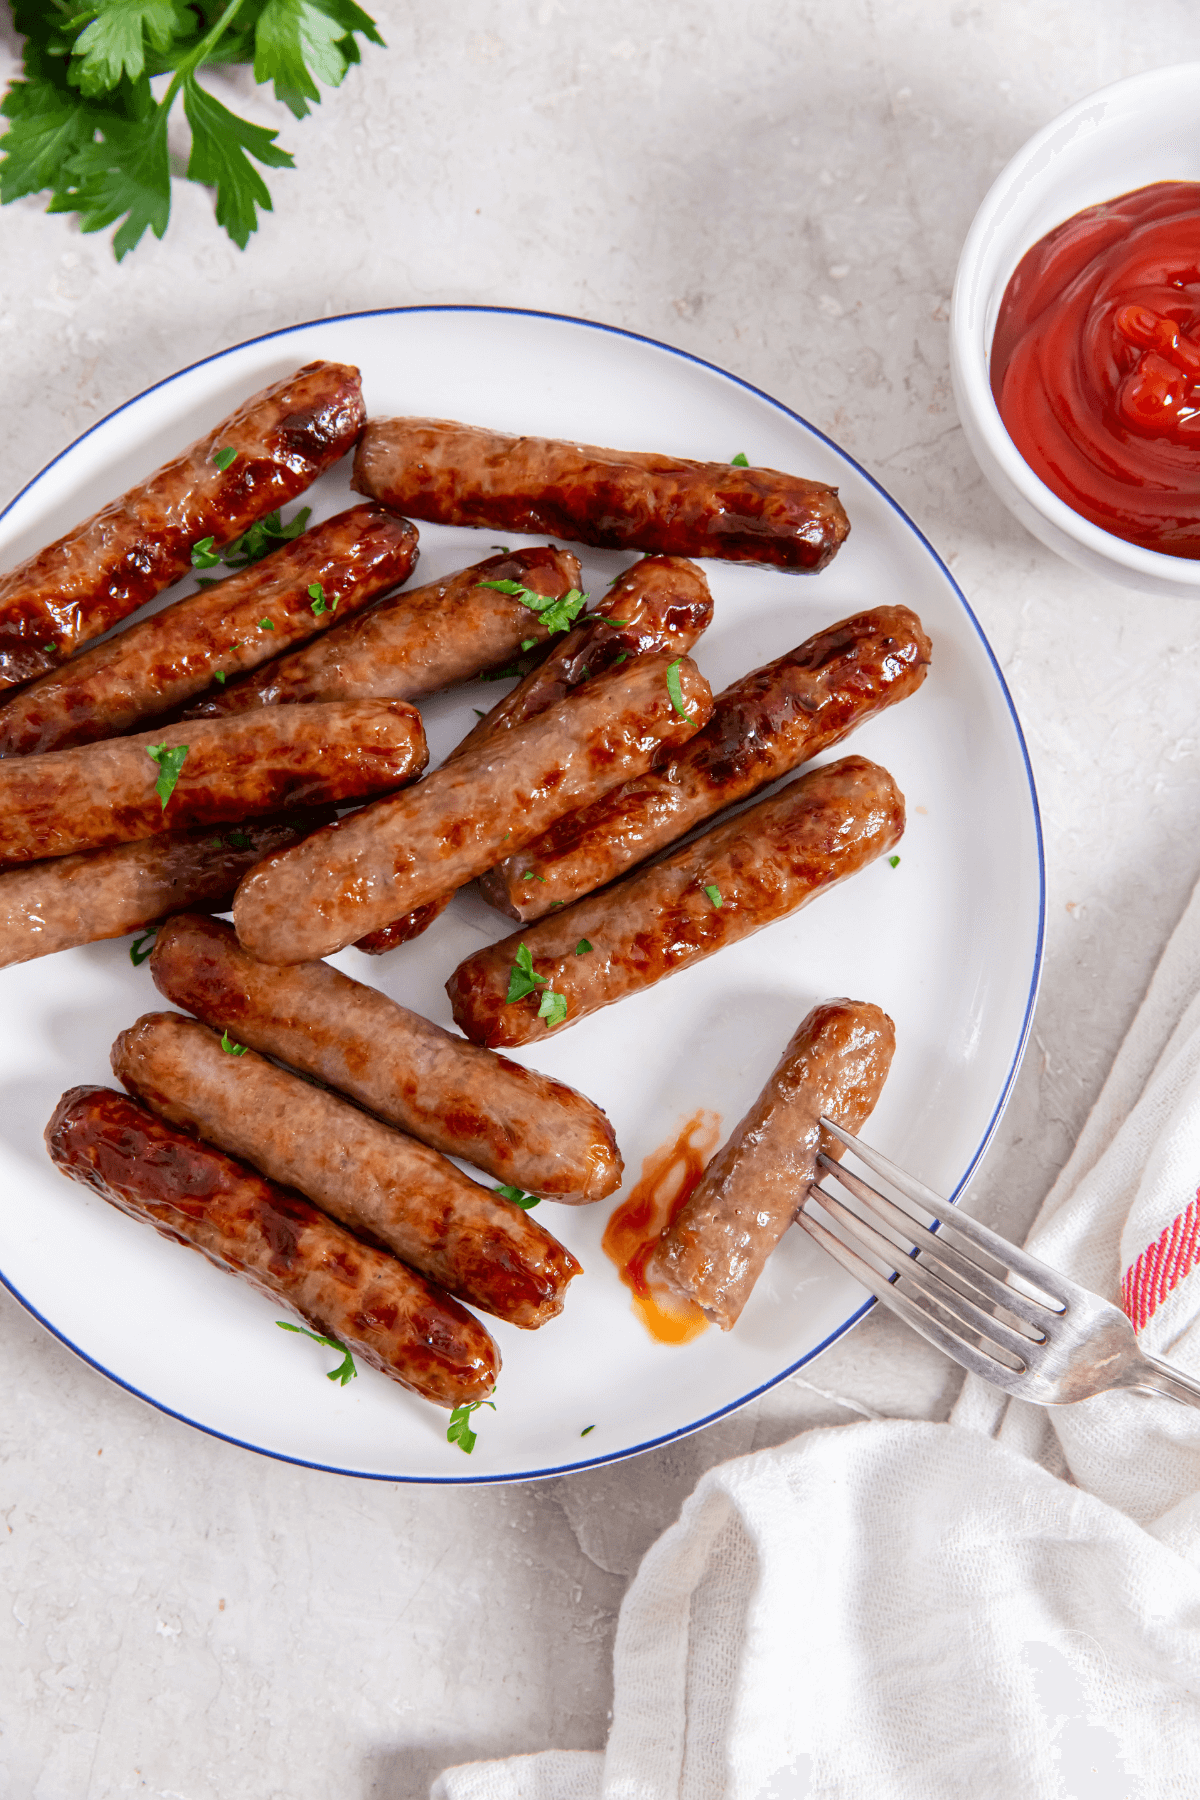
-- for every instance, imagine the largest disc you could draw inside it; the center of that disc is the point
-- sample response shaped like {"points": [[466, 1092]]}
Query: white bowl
{"points": [[1124, 137]]}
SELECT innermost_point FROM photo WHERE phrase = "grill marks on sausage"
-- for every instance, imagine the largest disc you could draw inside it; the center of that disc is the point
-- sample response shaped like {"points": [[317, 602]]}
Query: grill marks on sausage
{"points": [[414, 643], [458, 474], [717, 1246], [523, 1127], [157, 665], [194, 1194], [405, 851], [103, 794], [766, 863], [762, 727], [104, 569]]}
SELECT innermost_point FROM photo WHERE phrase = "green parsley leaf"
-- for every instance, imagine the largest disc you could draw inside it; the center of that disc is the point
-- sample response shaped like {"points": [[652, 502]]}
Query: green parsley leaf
{"points": [[501, 674], [617, 660], [479, 712], [345, 1370], [714, 894], [519, 1197], [264, 536], [220, 676], [170, 761], [459, 1431], [502, 547], [586, 1429], [123, 175], [229, 1047], [141, 947], [583, 948], [556, 614], [223, 458], [553, 1008], [894, 862], [222, 145], [521, 977], [317, 595], [266, 624], [530, 876], [675, 690], [237, 840], [114, 44], [528, 643], [740, 461], [203, 555]]}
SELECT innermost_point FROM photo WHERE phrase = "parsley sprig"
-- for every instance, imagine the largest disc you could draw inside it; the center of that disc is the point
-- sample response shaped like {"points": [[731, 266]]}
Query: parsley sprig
{"points": [[524, 979], [345, 1370], [170, 761], [459, 1431], [555, 614], [84, 122]]}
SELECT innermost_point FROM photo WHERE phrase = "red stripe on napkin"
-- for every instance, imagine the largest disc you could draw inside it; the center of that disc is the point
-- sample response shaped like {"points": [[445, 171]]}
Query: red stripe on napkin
{"points": [[1157, 1270]]}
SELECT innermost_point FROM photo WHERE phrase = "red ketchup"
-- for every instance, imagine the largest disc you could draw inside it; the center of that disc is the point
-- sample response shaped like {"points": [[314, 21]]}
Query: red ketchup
{"points": [[1096, 364]]}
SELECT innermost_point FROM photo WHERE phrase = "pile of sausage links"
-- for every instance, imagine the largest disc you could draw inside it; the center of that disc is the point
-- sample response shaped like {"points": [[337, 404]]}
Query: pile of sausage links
{"points": [[255, 746]]}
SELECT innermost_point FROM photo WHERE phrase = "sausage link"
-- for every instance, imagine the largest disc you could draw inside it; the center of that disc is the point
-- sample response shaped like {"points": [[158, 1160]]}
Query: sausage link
{"points": [[762, 865], [524, 1128], [384, 1187], [762, 727], [620, 500], [661, 603], [96, 894], [281, 1244], [86, 582], [104, 793], [235, 624], [421, 640], [715, 1249], [402, 852]]}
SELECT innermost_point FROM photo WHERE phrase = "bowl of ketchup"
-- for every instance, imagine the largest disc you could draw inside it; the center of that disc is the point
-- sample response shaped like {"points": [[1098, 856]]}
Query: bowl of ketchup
{"points": [[1075, 333]]}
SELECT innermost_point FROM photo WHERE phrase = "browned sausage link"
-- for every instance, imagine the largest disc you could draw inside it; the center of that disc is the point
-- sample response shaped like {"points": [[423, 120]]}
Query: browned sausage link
{"points": [[717, 1246], [287, 756], [421, 640], [662, 603], [282, 1245], [402, 852], [521, 1126], [236, 624], [133, 548], [386, 1188], [69, 900], [761, 866], [621, 500], [762, 727]]}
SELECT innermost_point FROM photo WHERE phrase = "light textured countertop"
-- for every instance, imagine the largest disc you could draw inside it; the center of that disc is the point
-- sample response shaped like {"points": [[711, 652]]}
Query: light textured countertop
{"points": [[782, 189]]}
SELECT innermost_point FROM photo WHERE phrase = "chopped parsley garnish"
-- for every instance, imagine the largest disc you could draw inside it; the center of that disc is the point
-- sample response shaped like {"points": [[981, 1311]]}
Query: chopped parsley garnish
{"points": [[170, 761], [316, 594], [459, 1431], [553, 1008], [586, 1429], [345, 1370], [714, 894], [521, 977], [502, 674], [556, 614], [86, 124], [528, 643], [219, 675], [740, 461], [619, 659], [894, 862], [266, 624], [264, 536], [520, 1198], [232, 1049], [223, 458], [479, 712], [237, 840], [203, 554], [530, 876], [582, 948], [502, 547], [675, 689], [141, 947]]}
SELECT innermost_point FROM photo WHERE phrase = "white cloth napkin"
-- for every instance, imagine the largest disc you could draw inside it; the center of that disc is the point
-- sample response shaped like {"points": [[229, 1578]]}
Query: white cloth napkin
{"points": [[907, 1611]]}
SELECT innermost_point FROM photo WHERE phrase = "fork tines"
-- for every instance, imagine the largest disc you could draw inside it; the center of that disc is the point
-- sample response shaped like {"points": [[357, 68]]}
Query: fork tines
{"points": [[961, 1301]]}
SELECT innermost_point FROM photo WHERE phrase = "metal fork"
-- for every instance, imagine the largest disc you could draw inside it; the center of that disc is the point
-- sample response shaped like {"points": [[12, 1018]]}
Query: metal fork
{"points": [[994, 1309]]}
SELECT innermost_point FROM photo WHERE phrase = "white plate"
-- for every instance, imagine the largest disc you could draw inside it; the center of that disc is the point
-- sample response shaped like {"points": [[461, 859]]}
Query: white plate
{"points": [[949, 942]]}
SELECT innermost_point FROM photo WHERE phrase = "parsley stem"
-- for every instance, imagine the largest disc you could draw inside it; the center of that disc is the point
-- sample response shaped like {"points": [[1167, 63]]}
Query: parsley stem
{"points": [[196, 57]]}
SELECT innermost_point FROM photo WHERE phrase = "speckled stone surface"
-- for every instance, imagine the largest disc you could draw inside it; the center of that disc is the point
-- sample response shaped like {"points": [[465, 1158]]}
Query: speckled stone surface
{"points": [[782, 189]]}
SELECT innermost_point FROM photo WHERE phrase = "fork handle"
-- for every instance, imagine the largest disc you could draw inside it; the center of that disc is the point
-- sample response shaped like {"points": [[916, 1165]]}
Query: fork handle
{"points": [[1165, 1379]]}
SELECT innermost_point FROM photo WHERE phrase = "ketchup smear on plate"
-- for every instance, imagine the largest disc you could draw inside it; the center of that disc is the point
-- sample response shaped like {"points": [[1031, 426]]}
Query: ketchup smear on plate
{"points": [[668, 1177], [1096, 364]]}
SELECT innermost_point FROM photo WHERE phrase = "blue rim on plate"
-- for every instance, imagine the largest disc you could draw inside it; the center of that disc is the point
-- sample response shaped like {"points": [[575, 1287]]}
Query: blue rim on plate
{"points": [[594, 1462]]}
